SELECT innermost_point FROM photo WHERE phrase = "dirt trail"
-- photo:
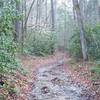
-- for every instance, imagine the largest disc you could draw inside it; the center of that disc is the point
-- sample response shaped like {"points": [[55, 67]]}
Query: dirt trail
{"points": [[53, 83]]}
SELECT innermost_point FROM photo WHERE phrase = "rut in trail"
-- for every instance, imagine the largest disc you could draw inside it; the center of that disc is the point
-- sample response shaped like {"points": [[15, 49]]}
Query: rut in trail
{"points": [[53, 83]]}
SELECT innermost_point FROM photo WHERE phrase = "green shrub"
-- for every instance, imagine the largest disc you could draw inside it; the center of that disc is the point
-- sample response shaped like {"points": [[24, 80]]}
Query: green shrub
{"points": [[7, 45], [93, 43], [75, 46], [95, 69], [95, 73], [40, 43], [7, 54]]}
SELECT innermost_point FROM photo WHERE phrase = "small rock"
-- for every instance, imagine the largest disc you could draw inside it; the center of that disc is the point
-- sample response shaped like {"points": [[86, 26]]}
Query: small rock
{"points": [[45, 90]]}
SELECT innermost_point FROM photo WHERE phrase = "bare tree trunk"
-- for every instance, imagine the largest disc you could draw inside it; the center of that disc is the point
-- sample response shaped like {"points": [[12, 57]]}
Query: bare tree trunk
{"points": [[99, 13], [24, 21], [17, 23], [22, 26], [37, 15], [52, 15], [25, 30], [99, 10], [40, 10], [46, 7], [29, 13], [82, 31]]}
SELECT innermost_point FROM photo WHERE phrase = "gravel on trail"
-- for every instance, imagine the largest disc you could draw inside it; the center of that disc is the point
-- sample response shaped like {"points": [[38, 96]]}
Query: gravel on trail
{"points": [[52, 83]]}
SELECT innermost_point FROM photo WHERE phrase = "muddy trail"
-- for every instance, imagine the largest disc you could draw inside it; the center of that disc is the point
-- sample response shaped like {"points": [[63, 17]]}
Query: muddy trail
{"points": [[53, 83]]}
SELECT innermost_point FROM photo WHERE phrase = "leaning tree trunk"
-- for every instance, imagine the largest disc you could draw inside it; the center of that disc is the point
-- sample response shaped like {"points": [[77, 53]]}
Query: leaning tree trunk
{"points": [[81, 28], [24, 21]]}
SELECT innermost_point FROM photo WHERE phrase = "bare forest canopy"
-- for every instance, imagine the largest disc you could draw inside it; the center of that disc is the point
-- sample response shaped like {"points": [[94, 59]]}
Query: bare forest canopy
{"points": [[62, 19]]}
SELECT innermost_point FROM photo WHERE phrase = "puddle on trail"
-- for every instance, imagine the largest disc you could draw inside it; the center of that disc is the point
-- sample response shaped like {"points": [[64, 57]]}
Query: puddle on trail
{"points": [[54, 84]]}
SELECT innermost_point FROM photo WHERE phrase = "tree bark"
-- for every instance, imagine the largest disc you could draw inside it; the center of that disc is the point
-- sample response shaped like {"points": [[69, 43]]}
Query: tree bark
{"points": [[46, 7], [52, 16], [24, 22], [29, 13], [17, 23], [81, 28], [99, 10]]}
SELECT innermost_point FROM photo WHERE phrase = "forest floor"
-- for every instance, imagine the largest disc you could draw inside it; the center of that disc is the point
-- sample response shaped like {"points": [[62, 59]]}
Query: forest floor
{"points": [[48, 76], [55, 77]]}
